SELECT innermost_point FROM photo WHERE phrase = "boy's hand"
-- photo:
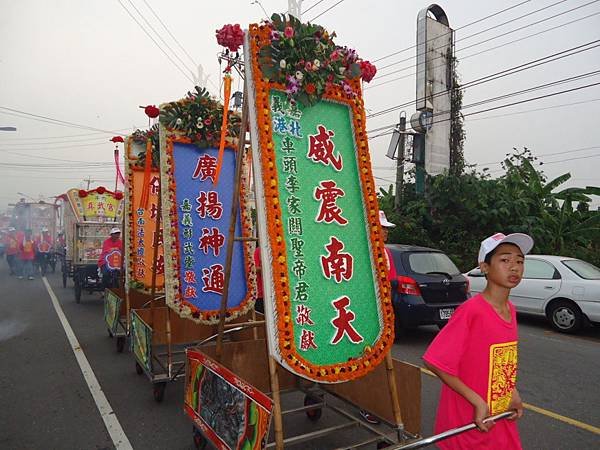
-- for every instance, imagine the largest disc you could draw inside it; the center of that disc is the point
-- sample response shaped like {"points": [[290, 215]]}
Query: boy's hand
{"points": [[517, 404], [481, 412]]}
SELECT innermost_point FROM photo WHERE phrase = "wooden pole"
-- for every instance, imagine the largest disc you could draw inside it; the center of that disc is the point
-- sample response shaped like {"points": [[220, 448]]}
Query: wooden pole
{"points": [[278, 420], [232, 223], [391, 377]]}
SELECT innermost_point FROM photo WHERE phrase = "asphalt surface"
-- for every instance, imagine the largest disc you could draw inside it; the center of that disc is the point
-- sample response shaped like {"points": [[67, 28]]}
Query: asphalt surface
{"points": [[46, 403]]}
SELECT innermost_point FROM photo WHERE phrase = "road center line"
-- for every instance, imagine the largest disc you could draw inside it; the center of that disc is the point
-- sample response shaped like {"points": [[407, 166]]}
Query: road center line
{"points": [[545, 412], [106, 412]]}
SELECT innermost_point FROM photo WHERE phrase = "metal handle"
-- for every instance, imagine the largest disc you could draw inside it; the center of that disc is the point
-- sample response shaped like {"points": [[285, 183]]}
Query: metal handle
{"points": [[453, 432]]}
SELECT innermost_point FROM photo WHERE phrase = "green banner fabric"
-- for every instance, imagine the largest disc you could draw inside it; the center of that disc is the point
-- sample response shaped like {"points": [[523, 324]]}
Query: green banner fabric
{"points": [[141, 342], [112, 310]]}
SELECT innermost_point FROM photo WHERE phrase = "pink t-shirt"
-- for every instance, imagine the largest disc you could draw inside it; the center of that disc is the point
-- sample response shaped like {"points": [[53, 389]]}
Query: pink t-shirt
{"points": [[480, 348]]}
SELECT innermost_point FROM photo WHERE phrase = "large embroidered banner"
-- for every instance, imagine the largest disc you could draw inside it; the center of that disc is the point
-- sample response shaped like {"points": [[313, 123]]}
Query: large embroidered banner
{"points": [[143, 190], [197, 213], [327, 300]]}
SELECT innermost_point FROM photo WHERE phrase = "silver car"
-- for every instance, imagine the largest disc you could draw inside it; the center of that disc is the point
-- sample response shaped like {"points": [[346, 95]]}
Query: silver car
{"points": [[564, 290]]}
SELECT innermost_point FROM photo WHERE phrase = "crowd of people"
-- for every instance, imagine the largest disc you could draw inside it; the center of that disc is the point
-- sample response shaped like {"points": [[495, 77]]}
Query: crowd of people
{"points": [[25, 252]]}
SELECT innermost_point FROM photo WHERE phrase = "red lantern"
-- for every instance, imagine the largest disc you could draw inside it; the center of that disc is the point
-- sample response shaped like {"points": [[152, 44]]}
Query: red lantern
{"points": [[118, 195], [82, 193], [100, 189]]}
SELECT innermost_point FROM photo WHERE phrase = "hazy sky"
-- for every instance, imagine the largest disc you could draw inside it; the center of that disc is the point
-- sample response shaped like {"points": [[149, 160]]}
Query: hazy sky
{"points": [[89, 63]]}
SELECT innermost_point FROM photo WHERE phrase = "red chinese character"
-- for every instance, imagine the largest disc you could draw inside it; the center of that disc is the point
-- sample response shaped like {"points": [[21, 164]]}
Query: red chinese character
{"points": [[307, 340], [337, 264], [321, 148], [90, 205], [160, 265], [189, 277], [160, 238], [110, 207], [209, 205], [343, 322], [154, 185], [328, 192], [303, 315], [190, 292], [214, 279], [206, 167], [214, 241], [100, 205]]}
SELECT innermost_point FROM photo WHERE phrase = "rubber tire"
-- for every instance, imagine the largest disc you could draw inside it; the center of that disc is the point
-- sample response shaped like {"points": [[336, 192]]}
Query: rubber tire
{"points": [[382, 445], [158, 390], [138, 369], [313, 414], [110, 335], [77, 287], [120, 344], [567, 312], [200, 442], [64, 278]]}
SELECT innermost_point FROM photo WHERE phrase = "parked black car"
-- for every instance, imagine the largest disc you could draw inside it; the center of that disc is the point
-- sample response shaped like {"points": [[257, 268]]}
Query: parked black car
{"points": [[428, 286]]}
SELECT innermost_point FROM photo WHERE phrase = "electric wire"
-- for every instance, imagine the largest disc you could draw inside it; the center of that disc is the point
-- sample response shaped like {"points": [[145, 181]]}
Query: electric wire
{"points": [[328, 9], [316, 4], [156, 43]]}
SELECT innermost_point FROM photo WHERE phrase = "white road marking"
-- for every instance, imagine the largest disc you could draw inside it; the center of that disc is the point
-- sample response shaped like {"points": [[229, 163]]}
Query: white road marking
{"points": [[106, 412]]}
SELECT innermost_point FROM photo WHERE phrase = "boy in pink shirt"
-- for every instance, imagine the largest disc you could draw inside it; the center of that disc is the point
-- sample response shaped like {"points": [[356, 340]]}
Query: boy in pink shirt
{"points": [[475, 354]]}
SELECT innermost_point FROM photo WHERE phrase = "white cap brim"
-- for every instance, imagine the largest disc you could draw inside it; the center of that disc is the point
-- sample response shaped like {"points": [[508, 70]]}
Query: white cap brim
{"points": [[521, 240], [386, 224]]}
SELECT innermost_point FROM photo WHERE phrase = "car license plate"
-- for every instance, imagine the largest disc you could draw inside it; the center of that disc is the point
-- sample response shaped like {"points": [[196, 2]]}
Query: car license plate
{"points": [[445, 313]]}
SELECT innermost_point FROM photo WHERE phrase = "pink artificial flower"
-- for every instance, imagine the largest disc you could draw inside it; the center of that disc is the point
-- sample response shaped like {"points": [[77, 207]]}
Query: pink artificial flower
{"points": [[368, 71], [288, 32]]}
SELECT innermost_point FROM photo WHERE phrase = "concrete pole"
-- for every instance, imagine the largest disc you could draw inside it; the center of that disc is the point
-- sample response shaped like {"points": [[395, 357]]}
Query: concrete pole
{"points": [[400, 161]]}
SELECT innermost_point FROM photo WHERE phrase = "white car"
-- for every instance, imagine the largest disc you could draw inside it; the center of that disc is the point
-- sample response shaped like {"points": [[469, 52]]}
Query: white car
{"points": [[564, 290]]}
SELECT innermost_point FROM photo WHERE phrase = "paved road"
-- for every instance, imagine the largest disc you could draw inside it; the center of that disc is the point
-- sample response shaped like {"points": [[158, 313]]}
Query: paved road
{"points": [[47, 403]]}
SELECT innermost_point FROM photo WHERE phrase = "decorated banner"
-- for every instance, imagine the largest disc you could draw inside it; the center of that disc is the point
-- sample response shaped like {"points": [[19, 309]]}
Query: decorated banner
{"points": [[96, 205], [141, 341], [143, 190], [197, 213], [112, 311], [327, 301], [231, 413]]}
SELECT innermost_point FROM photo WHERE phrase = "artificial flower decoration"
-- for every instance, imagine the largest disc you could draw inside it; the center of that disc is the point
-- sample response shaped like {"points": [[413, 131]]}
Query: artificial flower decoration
{"points": [[118, 195], [230, 36], [152, 111], [117, 139], [82, 193], [141, 137], [199, 117], [304, 58], [100, 190]]}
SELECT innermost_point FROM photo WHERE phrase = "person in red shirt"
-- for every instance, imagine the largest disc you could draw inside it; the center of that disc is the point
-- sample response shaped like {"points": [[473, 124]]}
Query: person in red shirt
{"points": [[475, 354], [11, 246], [43, 247], [26, 255], [111, 258]]}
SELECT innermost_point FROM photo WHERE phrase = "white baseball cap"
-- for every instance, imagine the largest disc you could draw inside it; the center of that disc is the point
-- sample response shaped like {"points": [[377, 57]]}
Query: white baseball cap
{"points": [[115, 230], [521, 240], [44, 229], [383, 220], [11, 229]]}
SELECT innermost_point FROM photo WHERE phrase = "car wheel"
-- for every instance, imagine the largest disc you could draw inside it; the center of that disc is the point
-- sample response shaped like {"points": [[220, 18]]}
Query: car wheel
{"points": [[565, 316]]}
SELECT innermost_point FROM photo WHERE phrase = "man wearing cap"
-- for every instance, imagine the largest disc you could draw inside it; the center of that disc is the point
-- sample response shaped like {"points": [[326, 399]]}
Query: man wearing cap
{"points": [[11, 245], [111, 258], [43, 245], [26, 255], [475, 354]]}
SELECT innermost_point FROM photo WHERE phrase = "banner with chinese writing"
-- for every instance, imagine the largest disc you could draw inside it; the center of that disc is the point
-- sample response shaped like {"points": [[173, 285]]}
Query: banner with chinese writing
{"points": [[231, 413], [197, 213], [327, 301], [143, 190], [96, 205]]}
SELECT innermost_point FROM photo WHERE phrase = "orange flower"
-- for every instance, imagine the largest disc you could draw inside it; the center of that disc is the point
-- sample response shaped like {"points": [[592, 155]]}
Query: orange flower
{"points": [[310, 88]]}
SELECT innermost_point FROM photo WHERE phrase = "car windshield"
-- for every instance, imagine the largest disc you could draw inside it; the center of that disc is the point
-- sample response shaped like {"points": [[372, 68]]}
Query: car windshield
{"points": [[585, 270], [432, 262]]}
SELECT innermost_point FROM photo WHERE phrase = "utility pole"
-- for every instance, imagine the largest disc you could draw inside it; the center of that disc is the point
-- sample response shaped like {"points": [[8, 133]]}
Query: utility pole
{"points": [[400, 160], [88, 180]]}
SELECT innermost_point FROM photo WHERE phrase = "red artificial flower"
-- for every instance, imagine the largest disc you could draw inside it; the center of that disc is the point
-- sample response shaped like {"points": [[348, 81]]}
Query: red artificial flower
{"points": [[100, 190], [116, 139], [152, 111], [118, 195], [367, 70], [288, 32], [310, 88], [207, 121], [82, 193], [230, 36]]}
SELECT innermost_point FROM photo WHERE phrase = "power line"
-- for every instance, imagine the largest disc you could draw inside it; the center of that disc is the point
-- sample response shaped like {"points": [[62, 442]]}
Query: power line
{"points": [[316, 4], [328, 9], [502, 73], [501, 34], [573, 150], [464, 26], [170, 34], [484, 51], [65, 136], [156, 43]]}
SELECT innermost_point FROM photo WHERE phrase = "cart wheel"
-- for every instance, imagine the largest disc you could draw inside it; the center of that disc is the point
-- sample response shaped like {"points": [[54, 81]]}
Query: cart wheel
{"points": [[312, 414], [77, 285], [138, 369], [64, 278], [53, 267], [159, 391], [200, 441], [120, 344], [382, 445], [110, 335]]}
